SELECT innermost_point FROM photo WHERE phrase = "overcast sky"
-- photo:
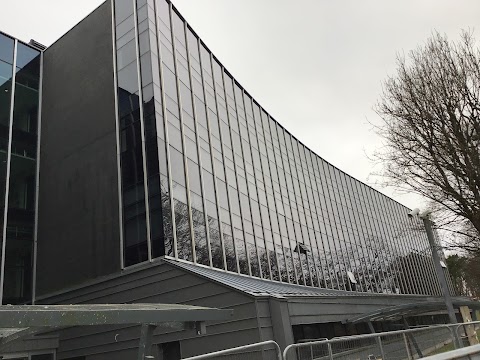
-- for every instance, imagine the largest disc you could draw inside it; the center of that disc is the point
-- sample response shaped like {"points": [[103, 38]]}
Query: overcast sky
{"points": [[315, 65]]}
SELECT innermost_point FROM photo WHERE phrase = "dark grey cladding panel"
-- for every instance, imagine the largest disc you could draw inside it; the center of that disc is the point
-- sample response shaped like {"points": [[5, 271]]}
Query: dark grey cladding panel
{"points": [[78, 232], [156, 282], [259, 287], [45, 343]]}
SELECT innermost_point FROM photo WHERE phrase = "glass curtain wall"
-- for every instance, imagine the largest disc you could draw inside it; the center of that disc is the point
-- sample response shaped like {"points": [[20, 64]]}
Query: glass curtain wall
{"points": [[209, 177], [147, 226], [19, 114]]}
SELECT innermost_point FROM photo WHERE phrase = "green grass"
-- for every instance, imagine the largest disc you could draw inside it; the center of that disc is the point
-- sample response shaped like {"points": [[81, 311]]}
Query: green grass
{"points": [[449, 347], [443, 349]]}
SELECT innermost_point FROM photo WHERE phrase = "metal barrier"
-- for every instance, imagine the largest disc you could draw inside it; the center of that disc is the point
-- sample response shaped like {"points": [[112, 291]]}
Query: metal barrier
{"points": [[421, 342], [392, 345], [466, 333], [467, 353], [266, 350]]}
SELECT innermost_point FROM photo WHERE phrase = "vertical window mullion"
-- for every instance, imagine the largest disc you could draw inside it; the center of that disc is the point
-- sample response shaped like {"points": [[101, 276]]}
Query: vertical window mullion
{"points": [[7, 179], [270, 161], [37, 182], [166, 145], [197, 139], [259, 205], [234, 157], [248, 191], [182, 130], [212, 160], [142, 126], [117, 137]]}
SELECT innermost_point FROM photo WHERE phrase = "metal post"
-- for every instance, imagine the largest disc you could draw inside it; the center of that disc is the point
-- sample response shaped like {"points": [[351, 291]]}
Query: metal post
{"points": [[382, 353], [441, 278], [377, 339], [330, 352], [456, 336], [407, 346], [440, 273], [145, 346], [412, 338]]}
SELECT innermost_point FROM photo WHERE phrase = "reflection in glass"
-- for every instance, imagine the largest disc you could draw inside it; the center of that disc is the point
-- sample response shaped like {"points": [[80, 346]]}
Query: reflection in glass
{"points": [[21, 198], [247, 196]]}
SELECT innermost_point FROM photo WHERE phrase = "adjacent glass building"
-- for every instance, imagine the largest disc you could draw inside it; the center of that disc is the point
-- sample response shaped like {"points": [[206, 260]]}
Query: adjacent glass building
{"points": [[20, 67], [209, 177]]}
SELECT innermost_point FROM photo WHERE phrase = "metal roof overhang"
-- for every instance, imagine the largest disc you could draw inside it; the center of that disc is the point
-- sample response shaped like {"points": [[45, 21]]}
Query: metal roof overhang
{"points": [[20, 321], [398, 311]]}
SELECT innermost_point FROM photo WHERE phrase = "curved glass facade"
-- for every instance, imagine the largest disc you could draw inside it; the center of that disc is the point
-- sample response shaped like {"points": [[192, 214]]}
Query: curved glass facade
{"points": [[209, 177], [19, 109]]}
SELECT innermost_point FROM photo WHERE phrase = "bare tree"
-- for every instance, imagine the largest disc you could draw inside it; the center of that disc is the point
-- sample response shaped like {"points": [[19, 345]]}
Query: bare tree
{"points": [[431, 130]]}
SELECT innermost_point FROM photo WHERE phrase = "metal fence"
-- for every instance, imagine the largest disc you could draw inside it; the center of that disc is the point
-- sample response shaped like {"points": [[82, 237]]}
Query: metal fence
{"points": [[266, 350], [467, 353], [403, 344], [394, 345], [466, 333], [408, 344]]}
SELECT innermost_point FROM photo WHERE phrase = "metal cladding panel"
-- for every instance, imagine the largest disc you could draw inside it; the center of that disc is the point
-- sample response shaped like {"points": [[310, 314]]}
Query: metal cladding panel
{"points": [[78, 231], [156, 283]]}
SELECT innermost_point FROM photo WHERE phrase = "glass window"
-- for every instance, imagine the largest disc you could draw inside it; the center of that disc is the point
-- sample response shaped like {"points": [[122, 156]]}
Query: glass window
{"points": [[175, 137], [194, 177], [128, 78], [217, 73], [178, 173], [126, 54], [164, 12], [28, 66], [205, 57], [170, 83], [192, 44], [6, 49], [5, 74], [209, 186], [179, 28], [21, 214], [123, 9], [186, 95]]}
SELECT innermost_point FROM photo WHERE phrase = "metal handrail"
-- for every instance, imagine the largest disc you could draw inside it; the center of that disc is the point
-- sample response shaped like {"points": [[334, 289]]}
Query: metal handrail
{"points": [[456, 354], [239, 348], [454, 329], [310, 340], [374, 336]]}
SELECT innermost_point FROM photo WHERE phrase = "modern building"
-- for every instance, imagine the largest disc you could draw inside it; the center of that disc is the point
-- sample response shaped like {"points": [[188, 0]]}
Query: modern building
{"points": [[151, 175]]}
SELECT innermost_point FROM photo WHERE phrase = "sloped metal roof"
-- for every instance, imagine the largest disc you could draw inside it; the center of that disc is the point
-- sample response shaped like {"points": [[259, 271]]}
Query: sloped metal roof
{"points": [[261, 287]]}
